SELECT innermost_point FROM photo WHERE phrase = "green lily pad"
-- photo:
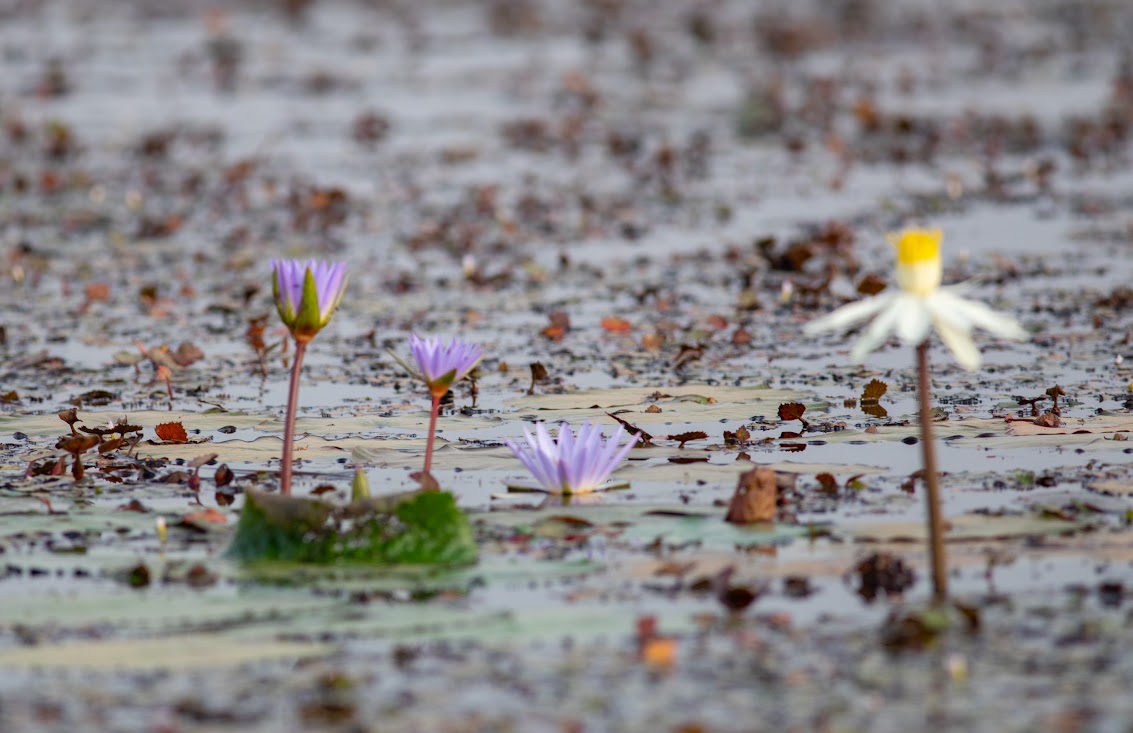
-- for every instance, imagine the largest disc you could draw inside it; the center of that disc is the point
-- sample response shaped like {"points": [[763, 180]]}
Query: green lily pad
{"points": [[422, 528]]}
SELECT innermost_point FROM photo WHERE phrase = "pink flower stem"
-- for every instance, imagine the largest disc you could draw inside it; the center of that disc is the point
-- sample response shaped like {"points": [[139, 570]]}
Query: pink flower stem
{"points": [[289, 420], [932, 486], [436, 408]]}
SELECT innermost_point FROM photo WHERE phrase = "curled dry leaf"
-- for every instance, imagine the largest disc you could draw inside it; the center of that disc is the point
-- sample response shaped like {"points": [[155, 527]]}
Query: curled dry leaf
{"points": [[687, 354], [828, 483], [755, 498], [172, 432], [77, 443], [643, 438], [538, 374], [223, 475], [186, 354], [70, 417], [201, 459], [111, 445]]}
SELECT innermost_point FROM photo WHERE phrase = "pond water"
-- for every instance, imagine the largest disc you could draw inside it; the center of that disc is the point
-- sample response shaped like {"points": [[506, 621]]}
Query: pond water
{"points": [[679, 187]]}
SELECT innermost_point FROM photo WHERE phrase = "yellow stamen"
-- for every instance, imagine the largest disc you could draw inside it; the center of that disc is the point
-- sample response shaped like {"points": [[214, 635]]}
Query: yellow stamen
{"points": [[917, 245]]}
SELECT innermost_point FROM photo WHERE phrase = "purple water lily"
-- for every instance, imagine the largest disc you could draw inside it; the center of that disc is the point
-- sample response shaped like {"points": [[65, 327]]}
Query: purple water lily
{"points": [[443, 364], [307, 292], [439, 365], [576, 463]]}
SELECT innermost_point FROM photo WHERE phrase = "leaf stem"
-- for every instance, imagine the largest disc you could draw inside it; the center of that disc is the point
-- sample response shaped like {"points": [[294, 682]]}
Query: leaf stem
{"points": [[289, 420], [931, 480]]}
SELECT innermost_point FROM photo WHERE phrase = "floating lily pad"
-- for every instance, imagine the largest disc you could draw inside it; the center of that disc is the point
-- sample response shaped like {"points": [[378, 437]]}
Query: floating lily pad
{"points": [[965, 528], [423, 528], [199, 651]]}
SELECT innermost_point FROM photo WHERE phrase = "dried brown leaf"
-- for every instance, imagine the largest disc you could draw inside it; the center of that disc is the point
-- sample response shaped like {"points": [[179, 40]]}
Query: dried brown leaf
{"points": [[643, 438], [791, 411], [172, 432], [874, 390], [683, 438]]}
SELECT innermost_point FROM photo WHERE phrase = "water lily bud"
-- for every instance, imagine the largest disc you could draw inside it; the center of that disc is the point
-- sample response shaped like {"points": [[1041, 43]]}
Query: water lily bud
{"points": [[307, 294], [360, 486]]}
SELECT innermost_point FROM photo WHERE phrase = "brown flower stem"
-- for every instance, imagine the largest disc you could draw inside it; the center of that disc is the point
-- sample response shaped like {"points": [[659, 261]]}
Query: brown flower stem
{"points": [[932, 486], [436, 408], [289, 420]]}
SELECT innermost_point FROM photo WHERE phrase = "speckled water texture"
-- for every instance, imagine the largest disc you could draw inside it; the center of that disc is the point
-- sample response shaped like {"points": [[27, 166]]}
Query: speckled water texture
{"points": [[647, 198]]}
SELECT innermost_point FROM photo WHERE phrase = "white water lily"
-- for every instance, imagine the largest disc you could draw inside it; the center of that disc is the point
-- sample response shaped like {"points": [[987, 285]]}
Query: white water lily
{"points": [[919, 306]]}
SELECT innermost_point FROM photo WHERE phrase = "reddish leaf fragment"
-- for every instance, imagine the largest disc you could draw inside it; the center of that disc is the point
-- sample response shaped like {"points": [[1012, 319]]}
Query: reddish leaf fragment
{"points": [[613, 324], [322, 489], [683, 438], [134, 506], [559, 326], [172, 432], [828, 483], [740, 437], [682, 460], [871, 284], [791, 411]]}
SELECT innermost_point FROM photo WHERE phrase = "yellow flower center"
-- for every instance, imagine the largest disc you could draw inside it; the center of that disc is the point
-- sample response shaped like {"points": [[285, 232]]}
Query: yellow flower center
{"points": [[919, 268], [918, 245]]}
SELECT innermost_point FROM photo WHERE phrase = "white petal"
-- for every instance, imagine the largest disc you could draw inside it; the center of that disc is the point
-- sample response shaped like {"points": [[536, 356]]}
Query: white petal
{"points": [[849, 315], [959, 341], [877, 332], [914, 320], [981, 316]]}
